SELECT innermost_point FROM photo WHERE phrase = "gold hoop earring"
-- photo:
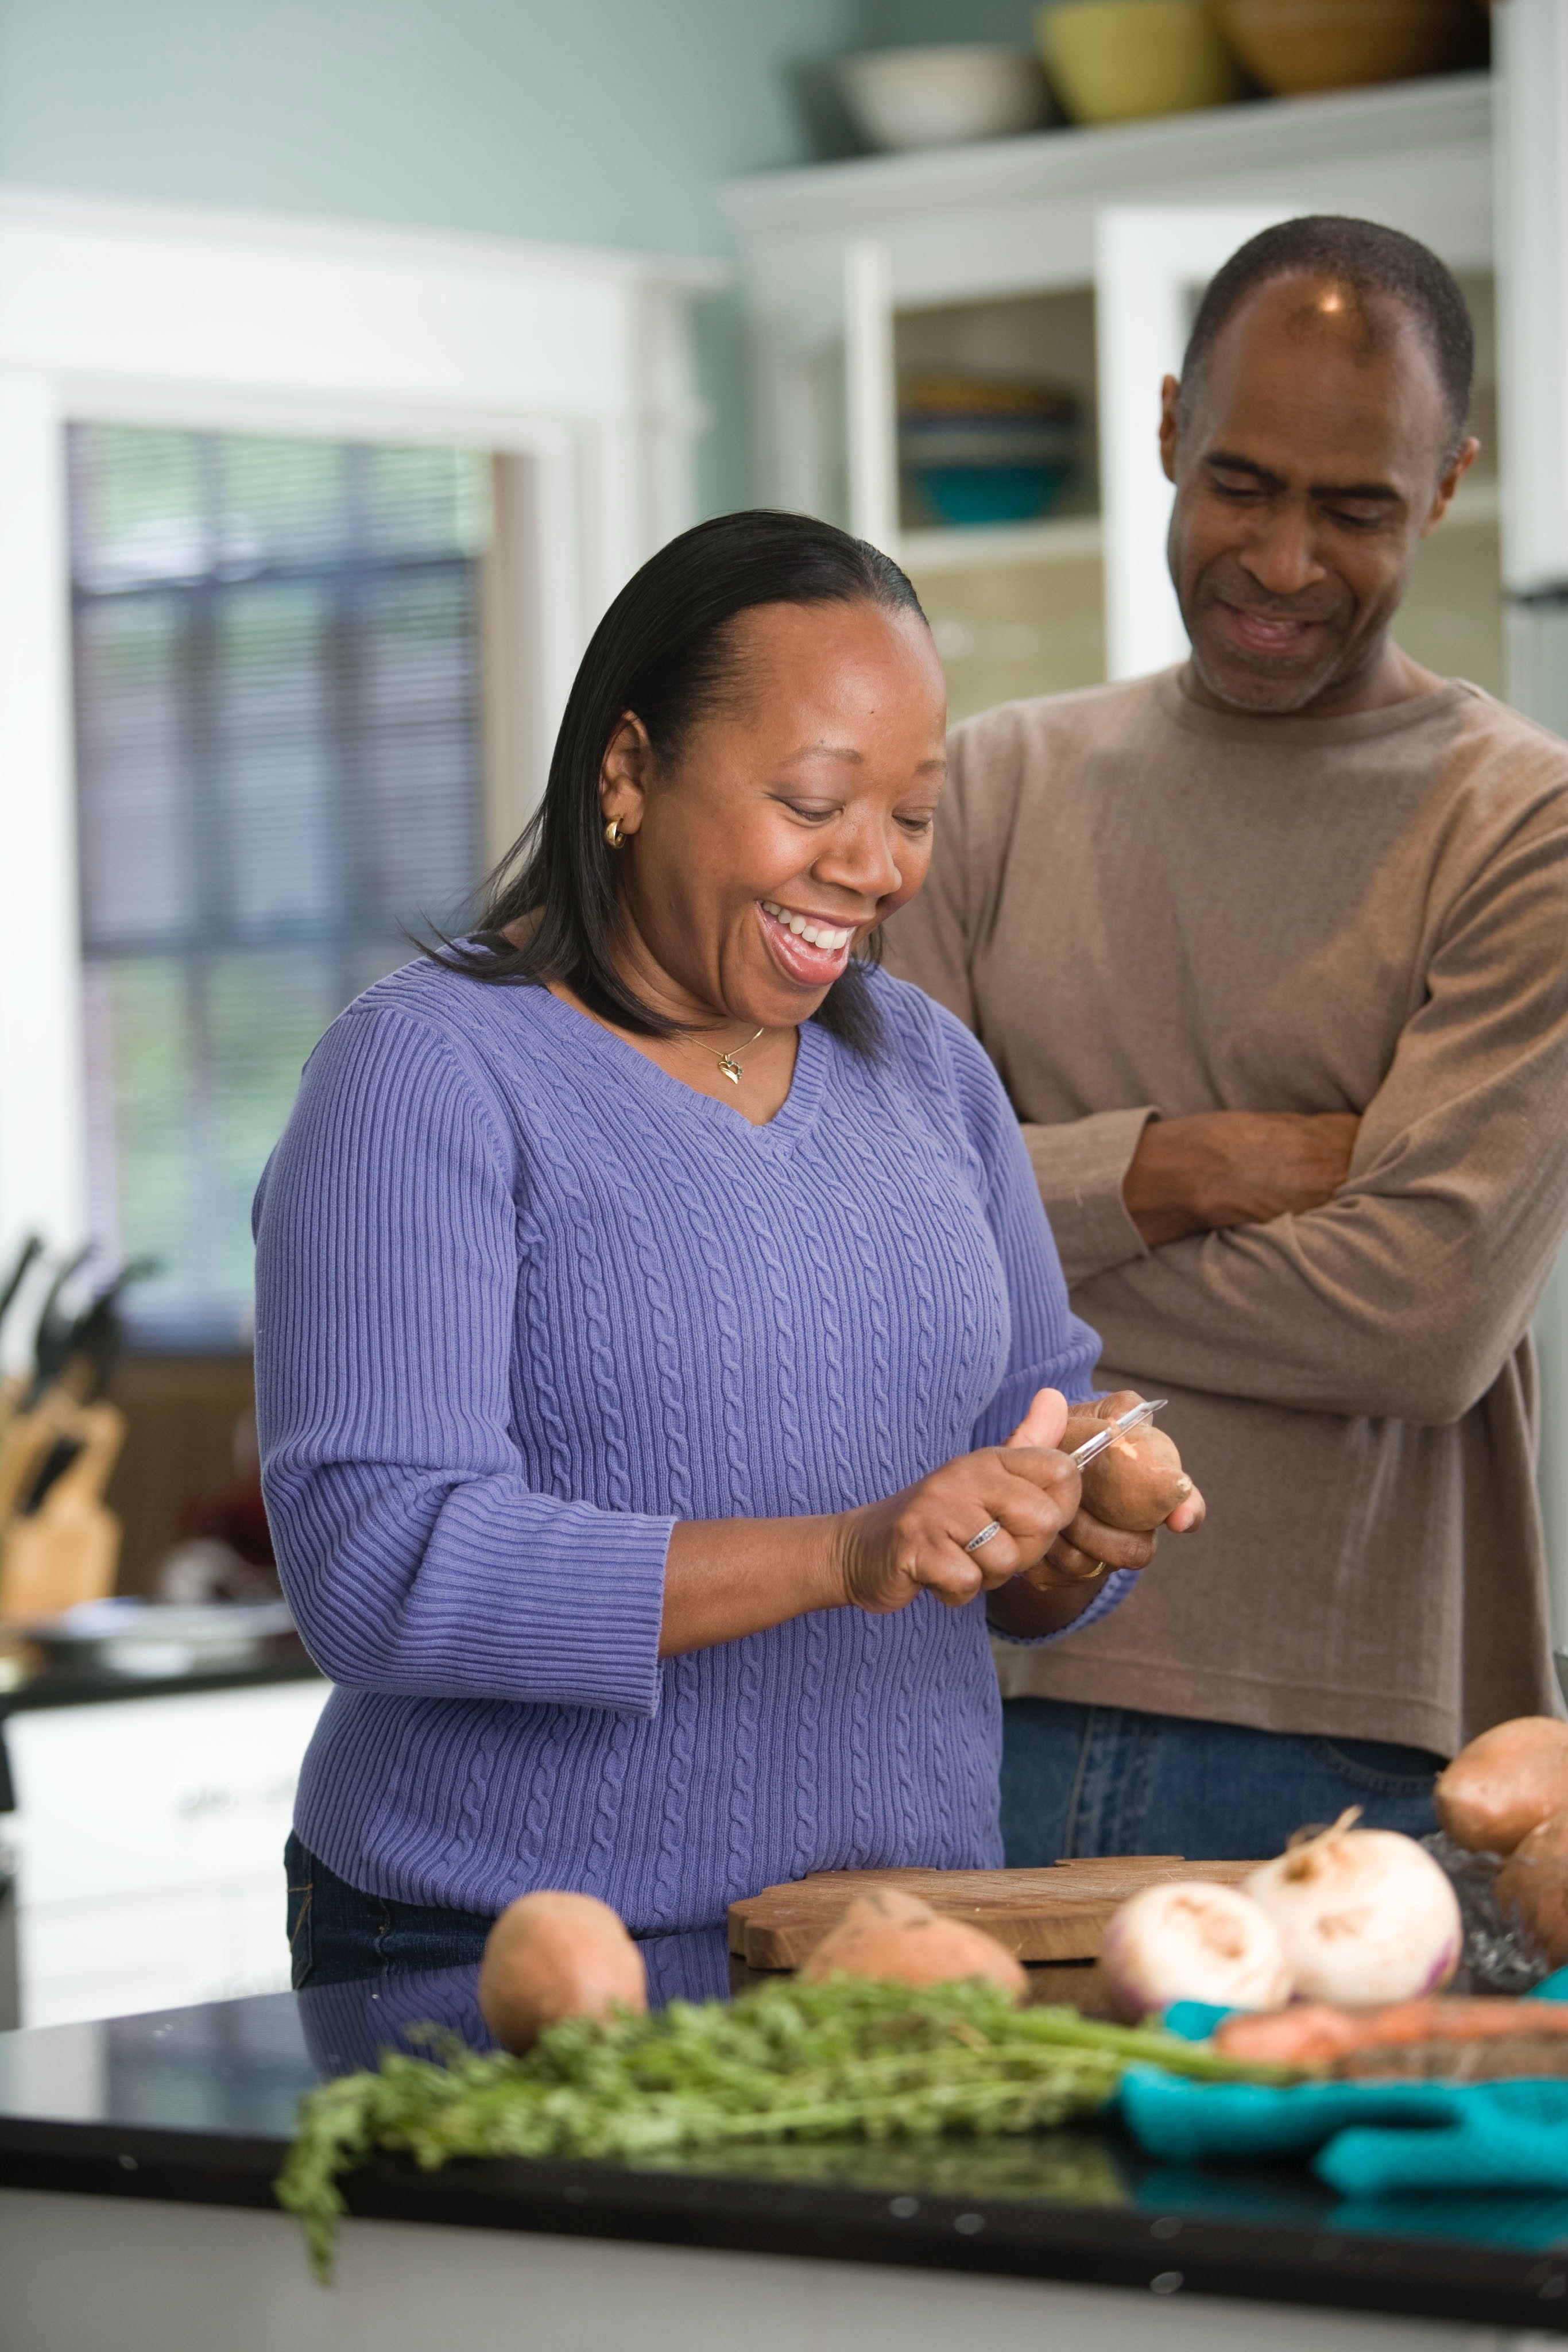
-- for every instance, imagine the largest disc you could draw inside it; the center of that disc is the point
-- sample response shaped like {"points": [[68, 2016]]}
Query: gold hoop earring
{"points": [[614, 834]]}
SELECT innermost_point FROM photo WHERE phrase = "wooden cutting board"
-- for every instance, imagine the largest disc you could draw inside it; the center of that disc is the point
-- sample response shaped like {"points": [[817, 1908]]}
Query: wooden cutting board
{"points": [[1058, 1913]]}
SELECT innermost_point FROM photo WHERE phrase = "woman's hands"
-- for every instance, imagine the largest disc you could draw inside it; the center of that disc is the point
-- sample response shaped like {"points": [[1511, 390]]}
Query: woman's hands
{"points": [[726, 1577], [1086, 1544], [1046, 1600], [888, 1551]]}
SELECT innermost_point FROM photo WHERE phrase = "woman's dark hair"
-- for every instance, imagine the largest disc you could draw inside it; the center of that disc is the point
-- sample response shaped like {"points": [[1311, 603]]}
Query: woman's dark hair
{"points": [[665, 650]]}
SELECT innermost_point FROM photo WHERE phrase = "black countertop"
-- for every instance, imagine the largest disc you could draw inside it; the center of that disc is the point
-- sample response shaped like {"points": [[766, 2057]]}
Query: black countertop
{"points": [[285, 1661], [196, 2105]]}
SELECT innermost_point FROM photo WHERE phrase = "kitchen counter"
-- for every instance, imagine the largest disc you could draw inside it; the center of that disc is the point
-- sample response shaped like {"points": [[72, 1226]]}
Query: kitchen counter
{"points": [[124, 2139], [287, 1660], [148, 1814]]}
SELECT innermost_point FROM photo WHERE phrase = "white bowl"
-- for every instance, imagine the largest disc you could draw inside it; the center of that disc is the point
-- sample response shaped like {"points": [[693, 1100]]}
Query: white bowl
{"points": [[940, 97]]}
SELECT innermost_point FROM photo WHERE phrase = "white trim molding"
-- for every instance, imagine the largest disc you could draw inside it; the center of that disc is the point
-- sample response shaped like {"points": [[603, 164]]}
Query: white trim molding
{"points": [[1006, 216], [1531, 155], [573, 366]]}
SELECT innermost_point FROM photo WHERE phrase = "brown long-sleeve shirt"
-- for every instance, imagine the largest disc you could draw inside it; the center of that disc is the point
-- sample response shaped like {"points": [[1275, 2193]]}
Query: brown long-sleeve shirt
{"points": [[1144, 908]]}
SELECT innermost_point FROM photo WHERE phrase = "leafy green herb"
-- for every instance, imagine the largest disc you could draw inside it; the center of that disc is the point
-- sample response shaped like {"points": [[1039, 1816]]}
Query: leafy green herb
{"points": [[1066, 2164], [846, 2059]]}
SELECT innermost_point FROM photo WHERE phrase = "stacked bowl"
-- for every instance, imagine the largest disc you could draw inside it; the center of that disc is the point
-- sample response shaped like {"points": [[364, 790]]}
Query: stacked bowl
{"points": [[975, 449]]}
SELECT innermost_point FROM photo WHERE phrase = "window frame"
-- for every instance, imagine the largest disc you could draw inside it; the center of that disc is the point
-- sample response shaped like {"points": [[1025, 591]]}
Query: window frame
{"points": [[572, 367]]}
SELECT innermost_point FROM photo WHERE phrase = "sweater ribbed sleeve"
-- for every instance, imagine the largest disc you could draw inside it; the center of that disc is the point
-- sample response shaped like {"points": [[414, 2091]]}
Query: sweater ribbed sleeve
{"points": [[420, 1559]]}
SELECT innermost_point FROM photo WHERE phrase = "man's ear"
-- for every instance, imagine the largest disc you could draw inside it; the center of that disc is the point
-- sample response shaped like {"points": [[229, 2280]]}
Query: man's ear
{"points": [[1170, 396], [1457, 467]]}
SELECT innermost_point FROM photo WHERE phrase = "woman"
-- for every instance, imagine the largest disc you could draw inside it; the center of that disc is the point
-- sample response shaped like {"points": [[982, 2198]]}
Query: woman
{"points": [[660, 1344]]}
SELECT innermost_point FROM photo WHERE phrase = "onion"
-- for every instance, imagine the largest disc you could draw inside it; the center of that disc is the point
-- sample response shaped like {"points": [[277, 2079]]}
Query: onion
{"points": [[1190, 1941], [1366, 1915]]}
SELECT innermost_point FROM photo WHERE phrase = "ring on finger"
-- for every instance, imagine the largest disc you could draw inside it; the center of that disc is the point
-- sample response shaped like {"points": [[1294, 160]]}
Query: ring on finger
{"points": [[992, 1527]]}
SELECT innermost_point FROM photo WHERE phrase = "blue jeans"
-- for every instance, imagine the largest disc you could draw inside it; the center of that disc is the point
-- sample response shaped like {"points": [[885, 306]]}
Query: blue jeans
{"points": [[337, 1934], [1080, 1780]]}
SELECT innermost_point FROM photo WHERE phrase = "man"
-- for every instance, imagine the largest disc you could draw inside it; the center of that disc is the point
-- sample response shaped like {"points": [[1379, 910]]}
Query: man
{"points": [[1271, 952]]}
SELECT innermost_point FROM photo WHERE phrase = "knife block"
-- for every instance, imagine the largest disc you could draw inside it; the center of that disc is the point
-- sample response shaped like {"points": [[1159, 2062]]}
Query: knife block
{"points": [[67, 1550]]}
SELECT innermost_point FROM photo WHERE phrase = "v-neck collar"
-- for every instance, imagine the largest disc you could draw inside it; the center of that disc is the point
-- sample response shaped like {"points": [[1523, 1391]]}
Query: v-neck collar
{"points": [[625, 1068]]}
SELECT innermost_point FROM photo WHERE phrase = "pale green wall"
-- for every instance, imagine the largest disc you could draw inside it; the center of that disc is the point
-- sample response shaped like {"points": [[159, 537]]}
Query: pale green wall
{"points": [[900, 24], [606, 121]]}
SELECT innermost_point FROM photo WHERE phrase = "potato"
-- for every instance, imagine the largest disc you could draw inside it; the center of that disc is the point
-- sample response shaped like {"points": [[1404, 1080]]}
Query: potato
{"points": [[1532, 1887], [896, 1937], [1135, 1484], [554, 1955], [1498, 1789]]}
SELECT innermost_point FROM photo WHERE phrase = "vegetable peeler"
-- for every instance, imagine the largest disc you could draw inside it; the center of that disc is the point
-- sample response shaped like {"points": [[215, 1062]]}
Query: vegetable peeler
{"points": [[1137, 1417]]}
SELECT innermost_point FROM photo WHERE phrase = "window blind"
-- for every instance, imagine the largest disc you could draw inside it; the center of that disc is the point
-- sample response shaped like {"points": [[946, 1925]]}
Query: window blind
{"points": [[278, 733]]}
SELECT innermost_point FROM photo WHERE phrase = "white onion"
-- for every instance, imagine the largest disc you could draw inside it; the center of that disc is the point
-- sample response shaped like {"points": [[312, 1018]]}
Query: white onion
{"points": [[1188, 1940], [1365, 1914]]}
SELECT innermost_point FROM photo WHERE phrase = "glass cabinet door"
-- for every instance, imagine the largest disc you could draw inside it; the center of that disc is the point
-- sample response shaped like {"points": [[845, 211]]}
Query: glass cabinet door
{"points": [[1151, 266], [1042, 602]]}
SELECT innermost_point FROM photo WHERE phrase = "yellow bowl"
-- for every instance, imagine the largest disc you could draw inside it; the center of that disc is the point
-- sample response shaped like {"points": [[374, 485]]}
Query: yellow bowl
{"points": [[1117, 60]]}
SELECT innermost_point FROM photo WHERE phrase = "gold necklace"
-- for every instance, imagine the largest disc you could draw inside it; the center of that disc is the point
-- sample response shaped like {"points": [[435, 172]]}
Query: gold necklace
{"points": [[726, 1061]]}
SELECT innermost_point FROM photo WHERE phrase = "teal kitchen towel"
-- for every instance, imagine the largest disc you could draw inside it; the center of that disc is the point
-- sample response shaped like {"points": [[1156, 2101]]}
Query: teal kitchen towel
{"points": [[1364, 2139]]}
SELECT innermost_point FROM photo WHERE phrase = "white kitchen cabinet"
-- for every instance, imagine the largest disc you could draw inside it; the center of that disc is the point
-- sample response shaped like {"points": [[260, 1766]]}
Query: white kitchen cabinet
{"points": [[1077, 253], [149, 1835]]}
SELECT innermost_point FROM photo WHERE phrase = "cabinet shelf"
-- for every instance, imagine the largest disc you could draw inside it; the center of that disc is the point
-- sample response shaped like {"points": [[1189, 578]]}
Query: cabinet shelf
{"points": [[1080, 539]]}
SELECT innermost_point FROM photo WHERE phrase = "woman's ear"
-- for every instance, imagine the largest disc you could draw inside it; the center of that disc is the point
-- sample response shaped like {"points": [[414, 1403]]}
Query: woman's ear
{"points": [[623, 775]]}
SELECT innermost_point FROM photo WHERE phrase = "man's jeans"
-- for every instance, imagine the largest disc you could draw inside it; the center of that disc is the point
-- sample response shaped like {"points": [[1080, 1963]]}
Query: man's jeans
{"points": [[1106, 1780]]}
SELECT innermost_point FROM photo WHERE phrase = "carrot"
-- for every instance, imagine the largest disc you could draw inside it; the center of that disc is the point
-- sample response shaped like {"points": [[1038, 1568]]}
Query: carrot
{"points": [[1316, 2034]]}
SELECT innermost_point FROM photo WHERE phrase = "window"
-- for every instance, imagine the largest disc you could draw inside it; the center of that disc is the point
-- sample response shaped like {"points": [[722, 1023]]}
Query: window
{"points": [[278, 769]]}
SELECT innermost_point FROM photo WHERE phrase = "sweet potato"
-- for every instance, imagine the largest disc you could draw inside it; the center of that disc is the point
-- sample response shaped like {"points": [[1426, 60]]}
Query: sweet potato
{"points": [[554, 1955], [1135, 1484], [1498, 1789], [1532, 1887], [896, 1937]]}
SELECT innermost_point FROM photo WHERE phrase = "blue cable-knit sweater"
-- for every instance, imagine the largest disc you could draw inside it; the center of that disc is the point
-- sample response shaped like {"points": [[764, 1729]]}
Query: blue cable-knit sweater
{"points": [[523, 1302]]}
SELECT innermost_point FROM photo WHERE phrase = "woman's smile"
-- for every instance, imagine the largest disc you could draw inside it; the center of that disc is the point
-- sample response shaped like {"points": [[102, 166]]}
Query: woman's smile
{"points": [[775, 833], [807, 949]]}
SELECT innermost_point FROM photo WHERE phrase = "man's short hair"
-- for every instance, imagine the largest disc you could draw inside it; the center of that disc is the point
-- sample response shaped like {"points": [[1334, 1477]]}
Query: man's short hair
{"points": [[1367, 260]]}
